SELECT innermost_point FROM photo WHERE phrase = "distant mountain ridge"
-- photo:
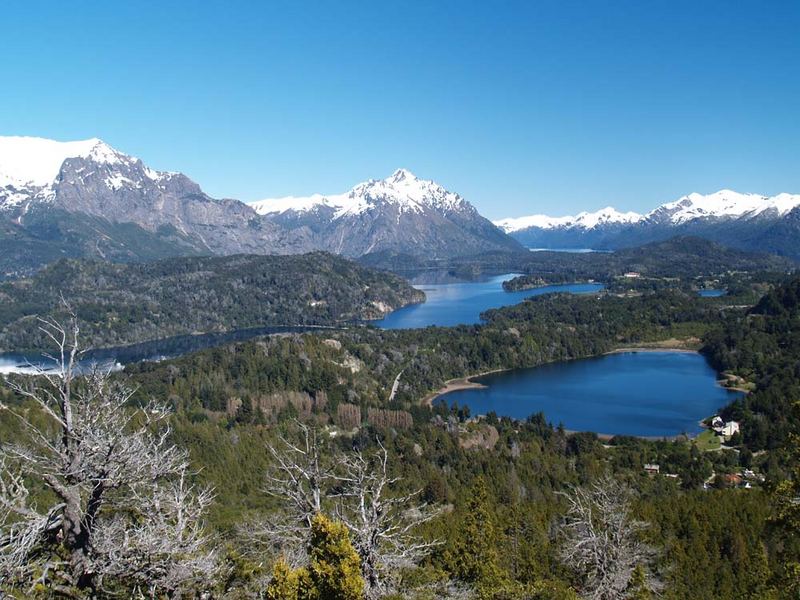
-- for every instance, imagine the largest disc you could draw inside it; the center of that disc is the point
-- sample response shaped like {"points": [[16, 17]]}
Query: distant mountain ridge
{"points": [[746, 221]]}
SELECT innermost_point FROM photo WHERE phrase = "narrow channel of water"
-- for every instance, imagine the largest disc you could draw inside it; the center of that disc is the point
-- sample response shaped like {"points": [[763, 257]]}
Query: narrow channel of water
{"points": [[452, 304]]}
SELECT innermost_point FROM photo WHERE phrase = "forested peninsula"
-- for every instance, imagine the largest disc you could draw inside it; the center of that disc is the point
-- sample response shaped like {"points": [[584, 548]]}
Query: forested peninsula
{"points": [[120, 304]]}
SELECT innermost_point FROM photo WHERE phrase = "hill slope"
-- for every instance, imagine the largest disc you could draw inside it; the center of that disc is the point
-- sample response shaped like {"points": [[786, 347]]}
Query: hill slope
{"points": [[128, 303]]}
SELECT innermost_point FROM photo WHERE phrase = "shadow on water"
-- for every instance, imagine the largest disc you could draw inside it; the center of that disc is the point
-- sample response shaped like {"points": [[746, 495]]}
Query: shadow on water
{"points": [[153, 350]]}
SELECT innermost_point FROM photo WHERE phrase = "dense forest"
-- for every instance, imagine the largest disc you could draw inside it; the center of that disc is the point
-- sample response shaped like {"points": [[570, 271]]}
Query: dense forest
{"points": [[679, 257], [451, 506], [121, 304], [762, 346]]}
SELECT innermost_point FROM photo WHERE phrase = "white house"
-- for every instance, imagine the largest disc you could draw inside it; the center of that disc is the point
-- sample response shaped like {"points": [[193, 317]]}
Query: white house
{"points": [[730, 428]]}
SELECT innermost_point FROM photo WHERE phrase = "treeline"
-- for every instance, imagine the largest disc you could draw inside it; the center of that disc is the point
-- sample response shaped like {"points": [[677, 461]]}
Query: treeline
{"points": [[121, 304]]}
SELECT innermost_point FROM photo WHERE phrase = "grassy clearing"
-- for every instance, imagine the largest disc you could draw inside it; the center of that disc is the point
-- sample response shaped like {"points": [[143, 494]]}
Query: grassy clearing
{"points": [[707, 440]]}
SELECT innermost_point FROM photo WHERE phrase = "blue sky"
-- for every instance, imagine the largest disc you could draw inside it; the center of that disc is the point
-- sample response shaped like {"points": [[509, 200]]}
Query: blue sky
{"points": [[521, 107]]}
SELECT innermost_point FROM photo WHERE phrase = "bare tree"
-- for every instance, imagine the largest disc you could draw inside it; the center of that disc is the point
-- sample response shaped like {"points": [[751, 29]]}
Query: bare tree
{"points": [[602, 538], [381, 524], [310, 479], [122, 512], [301, 475]]}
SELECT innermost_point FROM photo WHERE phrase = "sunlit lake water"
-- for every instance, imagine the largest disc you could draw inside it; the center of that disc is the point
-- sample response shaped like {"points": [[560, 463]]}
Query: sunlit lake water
{"points": [[633, 393], [462, 303]]}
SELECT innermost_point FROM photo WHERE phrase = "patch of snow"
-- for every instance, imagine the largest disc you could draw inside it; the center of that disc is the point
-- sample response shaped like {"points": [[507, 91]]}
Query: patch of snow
{"points": [[12, 198], [116, 182], [156, 175], [32, 161]]}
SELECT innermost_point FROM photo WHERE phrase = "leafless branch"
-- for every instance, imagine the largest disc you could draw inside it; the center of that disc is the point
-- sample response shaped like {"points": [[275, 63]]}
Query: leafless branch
{"points": [[125, 510], [602, 539]]}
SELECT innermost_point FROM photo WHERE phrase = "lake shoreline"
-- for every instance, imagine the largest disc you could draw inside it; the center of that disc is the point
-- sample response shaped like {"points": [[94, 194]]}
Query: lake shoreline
{"points": [[607, 437], [649, 349], [457, 384], [668, 346], [466, 383]]}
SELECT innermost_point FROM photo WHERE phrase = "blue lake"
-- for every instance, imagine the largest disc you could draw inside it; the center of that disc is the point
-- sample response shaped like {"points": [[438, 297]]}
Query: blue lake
{"points": [[711, 293], [114, 358], [633, 393], [571, 250], [451, 304]]}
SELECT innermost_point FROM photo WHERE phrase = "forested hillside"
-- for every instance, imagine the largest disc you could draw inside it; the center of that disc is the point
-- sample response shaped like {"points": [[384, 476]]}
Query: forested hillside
{"points": [[762, 347], [489, 508], [126, 303], [682, 257]]}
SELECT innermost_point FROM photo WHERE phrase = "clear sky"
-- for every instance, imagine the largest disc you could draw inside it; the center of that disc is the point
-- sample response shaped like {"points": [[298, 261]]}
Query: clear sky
{"points": [[521, 107]]}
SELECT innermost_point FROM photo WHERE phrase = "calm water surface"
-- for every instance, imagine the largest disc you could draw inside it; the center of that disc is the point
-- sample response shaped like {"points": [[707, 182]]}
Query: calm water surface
{"points": [[115, 358], [711, 293], [571, 250], [634, 393], [462, 303]]}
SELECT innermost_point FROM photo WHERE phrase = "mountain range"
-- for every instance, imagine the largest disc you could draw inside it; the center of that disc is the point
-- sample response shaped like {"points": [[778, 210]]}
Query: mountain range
{"points": [[86, 199], [745, 221]]}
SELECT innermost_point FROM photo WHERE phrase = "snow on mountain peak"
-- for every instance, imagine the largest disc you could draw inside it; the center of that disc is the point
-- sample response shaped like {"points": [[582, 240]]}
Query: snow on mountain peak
{"points": [[724, 204], [721, 204], [36, 162], [584, 220], [401, 174], [402, 189]]}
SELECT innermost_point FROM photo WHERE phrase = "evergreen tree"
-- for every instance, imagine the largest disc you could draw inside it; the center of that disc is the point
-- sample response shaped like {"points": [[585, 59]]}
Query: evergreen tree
{"points": [[786, 498], [333, 573], [638, 588], [473, 556]]}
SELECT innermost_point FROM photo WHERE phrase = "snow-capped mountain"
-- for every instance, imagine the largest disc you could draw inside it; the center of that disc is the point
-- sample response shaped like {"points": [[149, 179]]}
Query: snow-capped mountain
{"points": [[86, 198], [584, 220], [399, 214], [402, 189], [30, 167], [748, 221], [724, 204]]}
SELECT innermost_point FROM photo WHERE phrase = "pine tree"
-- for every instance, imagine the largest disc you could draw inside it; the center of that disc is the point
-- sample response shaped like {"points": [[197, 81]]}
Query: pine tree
{"points": [[787, 518], [638, 588], [335, 570], [333, 573], [473, 556]]}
